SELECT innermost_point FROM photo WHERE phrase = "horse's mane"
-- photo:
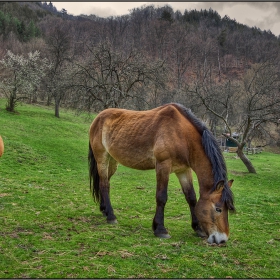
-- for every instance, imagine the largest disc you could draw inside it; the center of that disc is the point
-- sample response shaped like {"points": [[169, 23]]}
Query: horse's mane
{"points": [[213, 152]]}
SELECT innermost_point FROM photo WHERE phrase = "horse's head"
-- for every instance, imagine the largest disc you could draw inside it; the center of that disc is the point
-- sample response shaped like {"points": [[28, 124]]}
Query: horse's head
{"points": [[212, 213]]}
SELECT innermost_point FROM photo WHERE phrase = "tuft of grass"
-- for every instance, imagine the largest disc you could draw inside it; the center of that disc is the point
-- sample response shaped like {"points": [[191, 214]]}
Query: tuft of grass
{"points": [[51, 228]]}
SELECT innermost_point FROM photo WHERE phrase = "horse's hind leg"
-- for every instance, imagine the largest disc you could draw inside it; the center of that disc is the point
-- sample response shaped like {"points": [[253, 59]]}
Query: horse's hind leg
{"points": [[162, 173], [106, 170], [185, 179], [112, 166]]}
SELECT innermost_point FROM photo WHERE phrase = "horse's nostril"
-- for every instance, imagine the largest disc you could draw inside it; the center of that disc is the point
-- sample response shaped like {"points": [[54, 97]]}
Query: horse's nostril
{"points": [[222, 241]]}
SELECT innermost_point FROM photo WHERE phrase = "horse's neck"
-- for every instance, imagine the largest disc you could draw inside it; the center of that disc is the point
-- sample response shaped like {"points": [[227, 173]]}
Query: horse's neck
{"points": [[203, 169]]}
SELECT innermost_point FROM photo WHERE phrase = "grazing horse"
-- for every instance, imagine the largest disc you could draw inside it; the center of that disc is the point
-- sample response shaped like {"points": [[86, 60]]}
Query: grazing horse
{"points": [[1, 146], [169, 139]]}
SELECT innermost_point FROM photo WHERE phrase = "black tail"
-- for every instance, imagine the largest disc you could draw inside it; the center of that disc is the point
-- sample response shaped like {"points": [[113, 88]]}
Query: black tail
{"points": [[93, 176]]}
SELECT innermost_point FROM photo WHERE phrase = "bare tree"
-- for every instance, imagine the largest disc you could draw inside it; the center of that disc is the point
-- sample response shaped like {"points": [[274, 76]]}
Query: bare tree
{"points": [[111, 77], [58, 39], [260, 101], [248, 108], [182, 53]]}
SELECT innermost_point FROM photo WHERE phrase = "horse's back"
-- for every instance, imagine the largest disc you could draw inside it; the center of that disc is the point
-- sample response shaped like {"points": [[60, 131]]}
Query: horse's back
{"points": [[138, 139]]}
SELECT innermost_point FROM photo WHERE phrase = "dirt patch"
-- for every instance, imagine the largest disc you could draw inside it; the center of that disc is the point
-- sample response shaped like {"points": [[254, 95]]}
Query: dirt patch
{"points": [[4, 194]]}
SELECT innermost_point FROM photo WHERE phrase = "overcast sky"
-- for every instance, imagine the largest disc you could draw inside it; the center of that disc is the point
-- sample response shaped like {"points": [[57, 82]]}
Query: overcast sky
{"points": [[265, 15]]}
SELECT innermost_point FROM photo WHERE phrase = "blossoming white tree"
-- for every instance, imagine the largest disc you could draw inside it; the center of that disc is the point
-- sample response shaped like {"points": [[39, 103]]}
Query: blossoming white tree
{"points": [[20, 76]]}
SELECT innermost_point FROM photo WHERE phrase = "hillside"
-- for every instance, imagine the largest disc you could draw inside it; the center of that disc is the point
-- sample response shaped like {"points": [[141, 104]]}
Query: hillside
{"points": [[51, 228], [151, 56]]}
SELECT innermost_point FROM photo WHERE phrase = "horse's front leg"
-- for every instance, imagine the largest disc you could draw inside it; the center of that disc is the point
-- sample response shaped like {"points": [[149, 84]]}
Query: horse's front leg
{"points": [[162, 174], [185, 179]]}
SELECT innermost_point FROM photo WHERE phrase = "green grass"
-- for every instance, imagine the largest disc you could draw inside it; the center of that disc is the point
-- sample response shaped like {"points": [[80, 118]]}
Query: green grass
{"points": [[51, 228]]}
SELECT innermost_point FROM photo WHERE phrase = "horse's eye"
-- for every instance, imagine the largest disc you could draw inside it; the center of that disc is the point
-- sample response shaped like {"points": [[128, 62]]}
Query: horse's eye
{"points": [[219, 210]]}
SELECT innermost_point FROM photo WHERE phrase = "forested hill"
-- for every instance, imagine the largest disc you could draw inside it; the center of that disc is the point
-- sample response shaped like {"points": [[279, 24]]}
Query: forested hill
{"points": [[172, 49], [149, 28], [154, 29]]}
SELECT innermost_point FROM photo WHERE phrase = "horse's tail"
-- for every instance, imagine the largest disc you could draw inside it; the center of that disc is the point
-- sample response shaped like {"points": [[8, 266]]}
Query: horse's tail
{"points": [[93, 176], [1, 146]]}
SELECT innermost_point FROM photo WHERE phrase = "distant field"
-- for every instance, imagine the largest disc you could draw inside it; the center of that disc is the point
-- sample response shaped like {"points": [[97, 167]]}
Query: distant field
{"points": [[51, 228]]}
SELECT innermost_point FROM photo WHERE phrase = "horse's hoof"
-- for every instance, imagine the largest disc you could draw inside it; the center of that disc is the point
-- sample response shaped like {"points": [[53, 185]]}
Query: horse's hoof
{"points": [[112, 222], [163, 235]]}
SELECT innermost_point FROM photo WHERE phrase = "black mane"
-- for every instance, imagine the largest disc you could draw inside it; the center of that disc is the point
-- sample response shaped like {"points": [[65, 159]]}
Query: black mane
{"points": [[213, 152]]}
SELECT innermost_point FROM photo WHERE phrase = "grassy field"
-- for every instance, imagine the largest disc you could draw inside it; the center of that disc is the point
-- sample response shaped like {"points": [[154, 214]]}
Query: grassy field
{"points": [[51, 228]]}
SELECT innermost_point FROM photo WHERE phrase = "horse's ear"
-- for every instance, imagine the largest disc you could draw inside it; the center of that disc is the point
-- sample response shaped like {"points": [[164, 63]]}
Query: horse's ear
{"points": [[230, 182], [220, 186]]}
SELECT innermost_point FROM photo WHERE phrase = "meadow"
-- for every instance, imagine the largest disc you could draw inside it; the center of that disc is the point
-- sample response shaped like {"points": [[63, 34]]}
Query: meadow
{"points": [[50, 226]]}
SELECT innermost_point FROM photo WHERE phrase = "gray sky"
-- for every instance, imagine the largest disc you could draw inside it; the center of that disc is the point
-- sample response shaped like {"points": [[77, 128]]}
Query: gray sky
{"points": [[264, 15]]}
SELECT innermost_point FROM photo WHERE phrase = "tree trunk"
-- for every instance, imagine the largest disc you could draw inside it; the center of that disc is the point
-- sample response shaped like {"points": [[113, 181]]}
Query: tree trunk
{"points": [[57, 104], [11, 102], [219, 64], [246, 161]]}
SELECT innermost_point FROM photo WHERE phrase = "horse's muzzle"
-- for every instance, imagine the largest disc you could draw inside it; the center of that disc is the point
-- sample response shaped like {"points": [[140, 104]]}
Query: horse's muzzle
{"points": [[217, 238]]}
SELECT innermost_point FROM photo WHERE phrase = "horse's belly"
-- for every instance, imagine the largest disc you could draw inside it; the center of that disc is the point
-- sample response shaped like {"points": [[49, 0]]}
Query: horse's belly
{"points": [[134, 159], [128, 148]]}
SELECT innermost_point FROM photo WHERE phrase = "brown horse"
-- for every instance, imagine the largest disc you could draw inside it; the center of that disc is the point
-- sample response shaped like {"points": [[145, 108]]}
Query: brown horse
{"points": [[1, 146], [168, 139]]}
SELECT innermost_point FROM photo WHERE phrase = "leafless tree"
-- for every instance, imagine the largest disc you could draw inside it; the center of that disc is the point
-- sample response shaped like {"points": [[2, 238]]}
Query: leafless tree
{"points": [[110, 77], [59, 51], [247, 108], [182, 53]]}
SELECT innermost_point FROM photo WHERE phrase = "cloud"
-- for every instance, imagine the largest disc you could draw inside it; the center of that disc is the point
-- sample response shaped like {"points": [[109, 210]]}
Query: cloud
{"points": [[101, 12], [265, 15], [107, 9]]}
